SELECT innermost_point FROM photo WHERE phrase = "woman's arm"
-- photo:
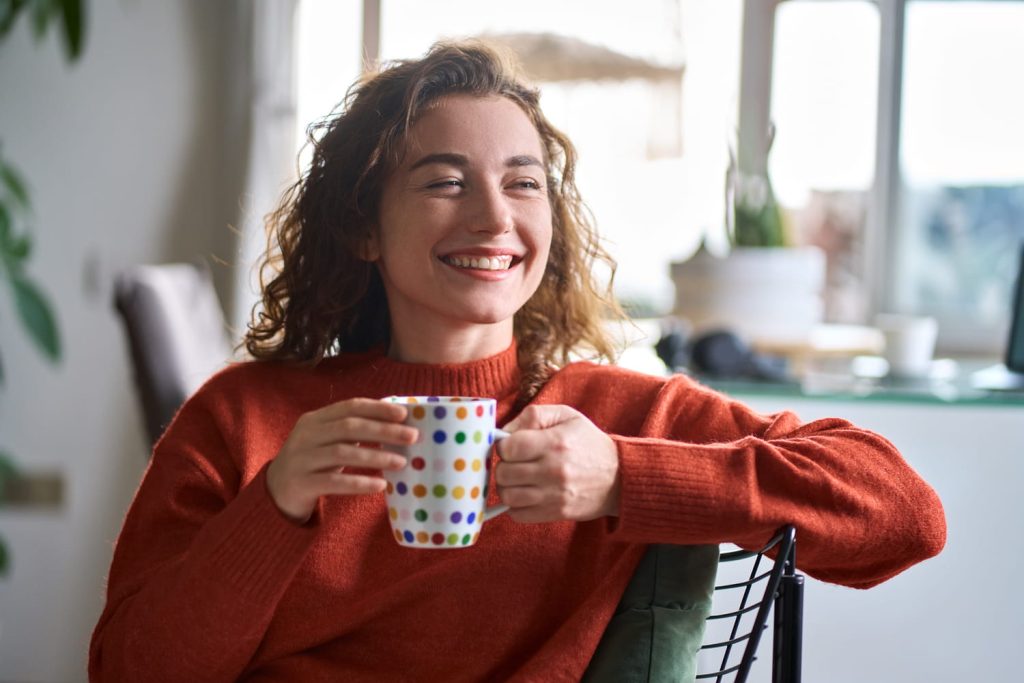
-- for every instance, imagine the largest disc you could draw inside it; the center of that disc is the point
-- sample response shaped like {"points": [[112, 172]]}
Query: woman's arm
{"points": [[198, 568], [206, 556], [695, 467], [706, 469]]}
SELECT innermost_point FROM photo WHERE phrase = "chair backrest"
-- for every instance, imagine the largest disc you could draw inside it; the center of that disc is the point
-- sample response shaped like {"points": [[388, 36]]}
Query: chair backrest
{"points": [[176, 333], [749, 585]]}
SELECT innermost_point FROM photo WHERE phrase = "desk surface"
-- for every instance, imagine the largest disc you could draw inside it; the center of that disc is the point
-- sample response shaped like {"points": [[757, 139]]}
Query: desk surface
{"points": [[953, 386]]}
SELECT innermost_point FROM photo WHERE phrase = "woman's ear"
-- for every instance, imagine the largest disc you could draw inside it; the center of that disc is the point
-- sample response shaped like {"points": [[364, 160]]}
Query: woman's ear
{"points": [[369, 250]]}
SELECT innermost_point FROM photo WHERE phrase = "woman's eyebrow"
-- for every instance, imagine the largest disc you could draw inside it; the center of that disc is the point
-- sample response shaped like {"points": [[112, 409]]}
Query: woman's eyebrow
{"points": [[461, 161], [523, 160], [447, 158]]}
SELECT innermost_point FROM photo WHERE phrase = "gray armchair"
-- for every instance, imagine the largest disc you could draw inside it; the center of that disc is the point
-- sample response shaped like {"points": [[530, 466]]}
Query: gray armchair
{"points": [[176, 333]]}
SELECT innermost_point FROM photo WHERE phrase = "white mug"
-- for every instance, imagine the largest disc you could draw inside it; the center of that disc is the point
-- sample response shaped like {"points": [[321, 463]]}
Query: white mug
{"points": [[438, 499], [909, 343]]}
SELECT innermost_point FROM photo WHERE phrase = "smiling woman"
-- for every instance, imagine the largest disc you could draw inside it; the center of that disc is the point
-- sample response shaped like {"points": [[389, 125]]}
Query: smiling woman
{"points": [[438, 247]]}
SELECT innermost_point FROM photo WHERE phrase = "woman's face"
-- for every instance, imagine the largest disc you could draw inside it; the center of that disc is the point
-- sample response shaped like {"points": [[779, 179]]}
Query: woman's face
{"points": [[465, 223]]}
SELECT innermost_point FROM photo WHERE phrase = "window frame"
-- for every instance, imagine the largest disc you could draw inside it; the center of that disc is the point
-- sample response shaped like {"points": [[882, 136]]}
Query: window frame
{"points": [[879, 257]]}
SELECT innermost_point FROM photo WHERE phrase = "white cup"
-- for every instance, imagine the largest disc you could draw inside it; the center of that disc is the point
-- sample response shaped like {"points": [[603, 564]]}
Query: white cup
{"points": [[909, 343], [438, 500]]}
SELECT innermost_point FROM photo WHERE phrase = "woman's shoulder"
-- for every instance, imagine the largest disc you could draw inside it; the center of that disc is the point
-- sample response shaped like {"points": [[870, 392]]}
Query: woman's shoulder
{"points": [[599, 373], [588, 377], [247, 373]]}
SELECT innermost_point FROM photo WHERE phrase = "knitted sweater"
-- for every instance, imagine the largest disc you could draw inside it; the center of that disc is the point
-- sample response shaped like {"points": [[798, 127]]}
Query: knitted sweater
{"points": [[210, 582]]}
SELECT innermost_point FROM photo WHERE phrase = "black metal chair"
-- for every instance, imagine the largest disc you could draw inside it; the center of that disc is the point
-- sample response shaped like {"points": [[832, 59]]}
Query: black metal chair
{"points": [[742, 603]]}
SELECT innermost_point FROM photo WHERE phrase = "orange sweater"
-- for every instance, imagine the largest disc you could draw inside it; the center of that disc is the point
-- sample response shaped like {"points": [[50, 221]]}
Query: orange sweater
{"points": [[210, 582]]}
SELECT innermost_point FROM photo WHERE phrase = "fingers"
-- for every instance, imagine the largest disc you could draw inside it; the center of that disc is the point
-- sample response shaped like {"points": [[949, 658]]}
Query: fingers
{"points": [[541, 417], [557, 465], [524, 446], [363, 429], [518, 474], [520, 498], [537, 431], [324, 442], [371, 408], [533, 504], [345, 484], [338, 456]]}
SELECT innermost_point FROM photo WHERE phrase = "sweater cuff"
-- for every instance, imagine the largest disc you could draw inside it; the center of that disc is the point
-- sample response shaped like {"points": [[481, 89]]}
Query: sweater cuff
{"points": [[252, 546], [670, 492]]}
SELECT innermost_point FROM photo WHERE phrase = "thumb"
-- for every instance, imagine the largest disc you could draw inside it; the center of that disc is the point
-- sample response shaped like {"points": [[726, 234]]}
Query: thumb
{"points": [[541, 417]]}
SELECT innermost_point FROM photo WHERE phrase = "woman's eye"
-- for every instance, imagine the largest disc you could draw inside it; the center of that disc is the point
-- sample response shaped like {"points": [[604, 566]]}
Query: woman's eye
{"points": [[527, 184], [445, 184]]}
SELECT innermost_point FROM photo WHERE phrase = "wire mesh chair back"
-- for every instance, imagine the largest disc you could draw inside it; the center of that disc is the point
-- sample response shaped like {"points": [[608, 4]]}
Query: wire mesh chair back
{"points": [[749, 585]]}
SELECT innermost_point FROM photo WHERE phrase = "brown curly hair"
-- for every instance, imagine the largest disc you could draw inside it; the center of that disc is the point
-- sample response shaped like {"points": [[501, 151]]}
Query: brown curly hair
{"points": [[321, 298]]}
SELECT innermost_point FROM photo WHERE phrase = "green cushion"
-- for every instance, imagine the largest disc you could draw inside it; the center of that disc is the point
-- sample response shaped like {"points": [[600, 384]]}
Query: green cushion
{"points": [[658, 626]]}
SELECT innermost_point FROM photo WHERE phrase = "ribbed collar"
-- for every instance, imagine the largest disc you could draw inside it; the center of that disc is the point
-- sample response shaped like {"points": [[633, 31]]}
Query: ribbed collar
{"points": [[495, 377]]}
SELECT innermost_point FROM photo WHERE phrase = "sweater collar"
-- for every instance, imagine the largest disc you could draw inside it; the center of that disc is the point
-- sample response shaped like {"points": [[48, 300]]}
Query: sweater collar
{"points": [[496, 376]]}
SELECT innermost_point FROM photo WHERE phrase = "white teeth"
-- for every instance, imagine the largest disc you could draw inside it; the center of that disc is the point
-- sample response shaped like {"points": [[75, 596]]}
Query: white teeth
{"points": [[481, 263]]}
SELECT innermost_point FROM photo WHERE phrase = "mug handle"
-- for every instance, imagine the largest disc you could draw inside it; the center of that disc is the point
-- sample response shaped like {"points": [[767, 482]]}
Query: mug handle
{"points": [[492, 511]]}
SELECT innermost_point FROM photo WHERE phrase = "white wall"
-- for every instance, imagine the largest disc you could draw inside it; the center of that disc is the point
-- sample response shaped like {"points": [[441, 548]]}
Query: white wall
{"points": [[958, 616], [134, 154]]}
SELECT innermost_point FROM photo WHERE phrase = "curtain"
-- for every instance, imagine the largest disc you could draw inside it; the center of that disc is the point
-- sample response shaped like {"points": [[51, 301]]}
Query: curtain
{"points": [[271, 164]]}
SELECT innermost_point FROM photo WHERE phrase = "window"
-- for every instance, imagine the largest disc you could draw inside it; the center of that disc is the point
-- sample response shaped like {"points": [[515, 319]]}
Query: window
{"points": [[824, 99], [961, 162], [328, 60], [899, 150]]}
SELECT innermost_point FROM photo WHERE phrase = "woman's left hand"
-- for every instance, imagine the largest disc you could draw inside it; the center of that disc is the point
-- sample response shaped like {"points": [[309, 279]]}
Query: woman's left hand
{"points": [[557, 465]]}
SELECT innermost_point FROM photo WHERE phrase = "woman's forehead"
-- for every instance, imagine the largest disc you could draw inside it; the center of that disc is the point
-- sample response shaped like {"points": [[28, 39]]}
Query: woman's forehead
{"points": [[472, 124]]}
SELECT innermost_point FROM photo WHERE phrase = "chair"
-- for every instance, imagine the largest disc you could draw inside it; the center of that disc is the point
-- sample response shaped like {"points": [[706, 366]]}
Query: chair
{"points": [[741, 604], [176, 333]]}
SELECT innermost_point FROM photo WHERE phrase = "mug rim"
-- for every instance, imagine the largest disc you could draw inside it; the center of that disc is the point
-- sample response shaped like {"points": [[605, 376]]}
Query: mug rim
{"points": [[436, 399]]}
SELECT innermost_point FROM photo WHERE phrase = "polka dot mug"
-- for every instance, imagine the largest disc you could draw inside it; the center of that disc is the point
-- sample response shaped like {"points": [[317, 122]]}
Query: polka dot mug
{"points": [[438, 499]]}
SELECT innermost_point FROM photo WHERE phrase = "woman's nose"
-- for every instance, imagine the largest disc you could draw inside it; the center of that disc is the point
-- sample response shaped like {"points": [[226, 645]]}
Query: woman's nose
{"points": [[493, 213]]}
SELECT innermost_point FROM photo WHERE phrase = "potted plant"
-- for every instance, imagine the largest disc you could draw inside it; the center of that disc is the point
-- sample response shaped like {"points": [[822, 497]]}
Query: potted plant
{"points": [[765, 288]]}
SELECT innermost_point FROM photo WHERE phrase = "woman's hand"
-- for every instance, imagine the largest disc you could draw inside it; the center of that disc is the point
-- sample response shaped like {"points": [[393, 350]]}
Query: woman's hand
{"points": [[312, 461], [557, 465]]}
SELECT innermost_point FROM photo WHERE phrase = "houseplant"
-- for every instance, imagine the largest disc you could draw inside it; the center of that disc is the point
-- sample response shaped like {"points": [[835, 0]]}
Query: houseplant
{"points": [[30, 302], [765, 288]]}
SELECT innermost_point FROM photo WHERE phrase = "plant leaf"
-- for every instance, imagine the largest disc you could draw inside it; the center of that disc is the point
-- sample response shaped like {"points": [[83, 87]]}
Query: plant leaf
{"points": [[5, 562], [37, 316], [42, 10], [17, 248], [5, 224], [1, 370], [9, 10], [15, 185], [14, 250], [7, 468], [74, 27]]}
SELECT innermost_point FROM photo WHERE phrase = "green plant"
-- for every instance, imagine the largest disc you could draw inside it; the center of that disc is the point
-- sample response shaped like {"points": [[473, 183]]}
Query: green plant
{"points": [[32, 305], [753, 216], [30, 302]]}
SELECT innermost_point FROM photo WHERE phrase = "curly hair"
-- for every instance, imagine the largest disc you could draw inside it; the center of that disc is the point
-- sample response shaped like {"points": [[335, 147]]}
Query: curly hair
{"points": [[319, 297]]}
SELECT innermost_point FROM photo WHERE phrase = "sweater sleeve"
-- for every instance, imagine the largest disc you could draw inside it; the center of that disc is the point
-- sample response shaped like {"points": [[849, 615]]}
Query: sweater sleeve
{"points": [[199, 568], [706, 469]]}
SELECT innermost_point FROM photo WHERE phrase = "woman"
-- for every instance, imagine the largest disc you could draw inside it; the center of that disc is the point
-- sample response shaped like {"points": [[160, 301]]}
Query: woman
{"points": [[437, 245]]}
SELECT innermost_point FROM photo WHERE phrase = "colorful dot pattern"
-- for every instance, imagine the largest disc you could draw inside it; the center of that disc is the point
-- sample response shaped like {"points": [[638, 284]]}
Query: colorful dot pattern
{"points": [[438, 499]]}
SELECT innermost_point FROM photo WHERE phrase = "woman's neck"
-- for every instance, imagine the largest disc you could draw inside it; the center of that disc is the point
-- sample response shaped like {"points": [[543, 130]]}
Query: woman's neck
{"points": [[445, 347]]}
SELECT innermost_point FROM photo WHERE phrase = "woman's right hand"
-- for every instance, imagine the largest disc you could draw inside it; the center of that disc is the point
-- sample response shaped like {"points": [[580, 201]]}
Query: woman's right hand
{"points": [[312, 461]]}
